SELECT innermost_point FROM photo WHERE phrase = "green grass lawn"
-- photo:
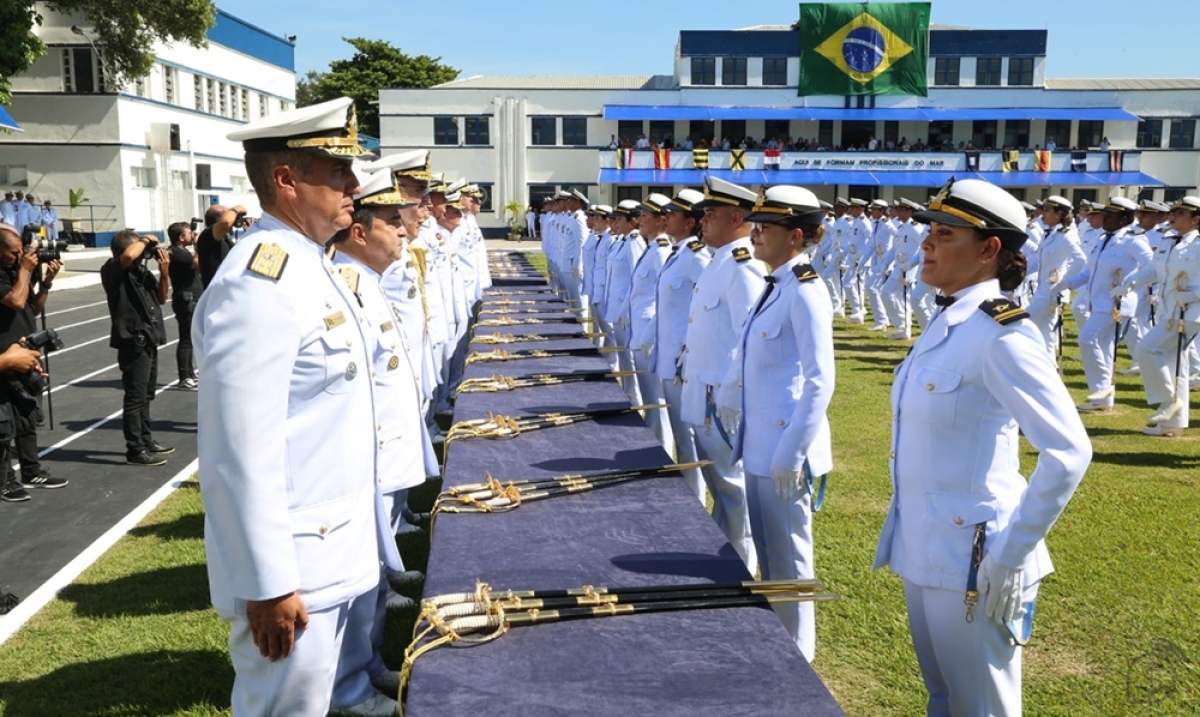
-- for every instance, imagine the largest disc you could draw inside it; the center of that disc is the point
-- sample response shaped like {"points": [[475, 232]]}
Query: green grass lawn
{"points": [[1115, 635]]}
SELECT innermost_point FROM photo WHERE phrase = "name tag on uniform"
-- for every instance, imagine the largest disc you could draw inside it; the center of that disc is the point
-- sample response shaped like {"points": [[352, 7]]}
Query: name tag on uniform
{"points": [[334, 320]]}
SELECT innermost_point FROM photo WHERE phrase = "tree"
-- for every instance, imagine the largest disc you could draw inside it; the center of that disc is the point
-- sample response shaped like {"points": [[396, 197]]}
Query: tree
{"points": [[124, 32], [375, 64]]}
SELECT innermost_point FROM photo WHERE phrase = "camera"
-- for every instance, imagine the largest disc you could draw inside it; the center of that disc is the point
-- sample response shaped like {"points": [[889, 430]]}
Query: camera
{"points": [[46, 341], [47, 249], [196, 223]]}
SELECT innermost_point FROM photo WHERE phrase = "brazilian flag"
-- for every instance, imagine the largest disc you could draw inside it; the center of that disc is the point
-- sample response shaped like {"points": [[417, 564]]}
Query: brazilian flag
{"points": [[864, 48]]}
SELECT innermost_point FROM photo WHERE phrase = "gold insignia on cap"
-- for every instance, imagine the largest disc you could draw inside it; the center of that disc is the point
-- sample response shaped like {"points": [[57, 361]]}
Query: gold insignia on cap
{"points": [[346, 146], [268, 260]]}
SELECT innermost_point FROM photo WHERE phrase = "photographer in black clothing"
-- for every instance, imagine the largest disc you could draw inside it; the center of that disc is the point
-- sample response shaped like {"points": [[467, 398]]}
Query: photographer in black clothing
{"points": [[185, 292], [14, 362], [217, 238], [134, 304], [24, 287]]}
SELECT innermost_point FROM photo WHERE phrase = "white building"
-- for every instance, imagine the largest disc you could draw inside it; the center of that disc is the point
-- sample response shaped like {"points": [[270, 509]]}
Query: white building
{"points": [[154, 151], [526, 137]]}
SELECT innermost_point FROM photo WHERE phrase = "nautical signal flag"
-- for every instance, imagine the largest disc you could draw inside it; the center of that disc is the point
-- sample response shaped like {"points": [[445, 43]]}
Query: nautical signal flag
{"points": [[737, 159], [1011, 158], [700, 158], [864, 48], [1041, 160], [662, 158]]}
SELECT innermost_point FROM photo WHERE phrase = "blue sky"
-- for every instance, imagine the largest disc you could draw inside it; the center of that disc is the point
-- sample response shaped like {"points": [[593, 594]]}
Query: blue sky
{"points": [[1097, 38]]}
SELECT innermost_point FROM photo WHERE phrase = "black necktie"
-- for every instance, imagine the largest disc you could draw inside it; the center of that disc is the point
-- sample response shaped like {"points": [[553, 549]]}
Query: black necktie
{"points": [[766, 295], [1107, 236], [943, 301]]}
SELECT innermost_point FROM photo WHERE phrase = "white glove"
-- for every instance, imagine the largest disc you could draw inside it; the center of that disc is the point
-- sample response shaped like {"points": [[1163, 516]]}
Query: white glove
{"points": [[787, 482], [1001, 586], [730, 418]]}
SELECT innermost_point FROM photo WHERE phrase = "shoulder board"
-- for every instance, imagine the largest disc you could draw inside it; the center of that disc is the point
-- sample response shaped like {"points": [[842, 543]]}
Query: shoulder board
{"points": [[269, 260], [1003, 311], [695, 244], [351, 277], [663, 241], [741, 255], [804, 272]]}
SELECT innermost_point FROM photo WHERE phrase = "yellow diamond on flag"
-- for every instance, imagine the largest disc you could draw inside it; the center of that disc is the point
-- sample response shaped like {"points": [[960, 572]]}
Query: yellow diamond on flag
{"points": [[864, 48]]}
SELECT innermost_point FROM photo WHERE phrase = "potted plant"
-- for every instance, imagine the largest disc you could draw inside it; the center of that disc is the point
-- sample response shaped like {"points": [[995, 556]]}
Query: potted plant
{"points": [[515, 228], [75, 199]]}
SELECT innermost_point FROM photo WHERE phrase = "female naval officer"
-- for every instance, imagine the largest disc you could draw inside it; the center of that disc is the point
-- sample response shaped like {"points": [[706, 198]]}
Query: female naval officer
{"points": [[782, 381], [964, 529]]}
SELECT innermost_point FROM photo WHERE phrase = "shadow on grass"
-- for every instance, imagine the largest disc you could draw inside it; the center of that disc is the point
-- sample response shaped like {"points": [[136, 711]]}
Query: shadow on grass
{"points": [[1147, 459], [185, 527], [153, 592], [151, 683]]}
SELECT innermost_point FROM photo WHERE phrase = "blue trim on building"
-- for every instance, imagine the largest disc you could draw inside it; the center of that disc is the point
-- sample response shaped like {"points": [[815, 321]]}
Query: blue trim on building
{"points": [[786, 43], [241, 36], [987, 43], [902, 114]]}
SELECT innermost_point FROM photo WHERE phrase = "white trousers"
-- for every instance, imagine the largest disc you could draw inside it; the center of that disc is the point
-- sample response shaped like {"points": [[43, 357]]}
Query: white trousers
{"points": [[1096, 352], [727, 484], [624, 359], [854, 290], [971, 669], [684, 435], [783, 541], [897, 301], [650, 389], [302, 684], [1156, 355], [872, 283]]}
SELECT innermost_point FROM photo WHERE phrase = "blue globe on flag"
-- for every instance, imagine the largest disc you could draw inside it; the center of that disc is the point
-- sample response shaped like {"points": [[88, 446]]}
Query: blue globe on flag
{"points": [[864, 49]]}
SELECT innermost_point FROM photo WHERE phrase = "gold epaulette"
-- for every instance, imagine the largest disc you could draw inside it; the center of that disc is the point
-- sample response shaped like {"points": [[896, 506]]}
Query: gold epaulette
{"points": [[695, 244], [741, 255], [804, 272], [663, 241], [1003, 311], [269, 260]]}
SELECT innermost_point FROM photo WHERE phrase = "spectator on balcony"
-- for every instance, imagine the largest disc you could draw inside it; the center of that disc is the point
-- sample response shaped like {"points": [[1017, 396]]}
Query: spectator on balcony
{"points": [[612, 143], [642, 142], [688, 144], [1104, 145]]}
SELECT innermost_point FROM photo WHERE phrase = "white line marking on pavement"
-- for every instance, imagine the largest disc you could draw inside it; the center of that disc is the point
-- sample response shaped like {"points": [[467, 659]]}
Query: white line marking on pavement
{"points": [[75, 308], [21, 614]]}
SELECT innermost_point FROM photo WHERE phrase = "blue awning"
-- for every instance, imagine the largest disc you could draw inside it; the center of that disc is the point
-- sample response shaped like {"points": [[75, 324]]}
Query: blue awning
{"points": [[7, 122], [900, 114], [695, 177]]}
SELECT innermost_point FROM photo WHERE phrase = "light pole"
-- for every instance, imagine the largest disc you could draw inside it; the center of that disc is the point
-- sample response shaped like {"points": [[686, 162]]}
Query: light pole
{"points": [[103, 63]]}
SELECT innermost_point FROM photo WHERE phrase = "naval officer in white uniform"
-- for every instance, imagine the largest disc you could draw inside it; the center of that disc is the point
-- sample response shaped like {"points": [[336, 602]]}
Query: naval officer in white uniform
{"points": [[784, 367], [965, 529], [293, 524]]}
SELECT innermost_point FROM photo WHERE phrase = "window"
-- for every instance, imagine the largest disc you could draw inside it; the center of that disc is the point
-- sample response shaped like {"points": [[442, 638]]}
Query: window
{"points": [[662, 132], [198, 84], [581, 188], [476, 131], [13, 175], [1016, 134], [987, 71], [634, 193], [239, 185], [775, 71], [170, 79], [574, 131], [445, 130], [1149, 133], [1020, 71], [210, 88], [733, 130], [1058, 132], [1018, 193], [223, 95], [139, 87], [543, 131], [81, 73], [234, 101], [245, 104], [779, 129], [703, 129], [263, 106], [181, 179], [144, 177], [983, 133], [1183, 134], [891, 133], [539, 193], [1084, 194], [704, 71], [940, 133], [1091, 133], [628, 131], [283, 105], [945, 71], [485, 196], [1170, 196], [733, 71], [825, 133]]}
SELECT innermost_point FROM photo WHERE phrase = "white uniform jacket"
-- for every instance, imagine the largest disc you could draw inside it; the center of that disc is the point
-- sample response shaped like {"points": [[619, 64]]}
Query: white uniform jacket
{"points": [[643, 296], [958, 400], [402, 286], [786, 373], [1108, 266], [406, 456], [727, 290], [1060, 259], [621, 260], [676, 285], [604, 245], [286, 427]]}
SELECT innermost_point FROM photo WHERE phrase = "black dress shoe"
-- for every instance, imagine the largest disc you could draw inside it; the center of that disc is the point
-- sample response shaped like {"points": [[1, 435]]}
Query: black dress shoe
{"points": [[145, 458], [159, 450]]}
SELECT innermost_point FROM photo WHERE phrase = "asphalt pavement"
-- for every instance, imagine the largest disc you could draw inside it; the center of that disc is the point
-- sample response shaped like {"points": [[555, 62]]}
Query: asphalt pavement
{"points": [[85, 445]]}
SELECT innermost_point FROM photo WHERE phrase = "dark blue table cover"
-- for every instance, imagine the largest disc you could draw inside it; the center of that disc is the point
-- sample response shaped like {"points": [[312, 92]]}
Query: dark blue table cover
{"points": [[651, 532]]}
